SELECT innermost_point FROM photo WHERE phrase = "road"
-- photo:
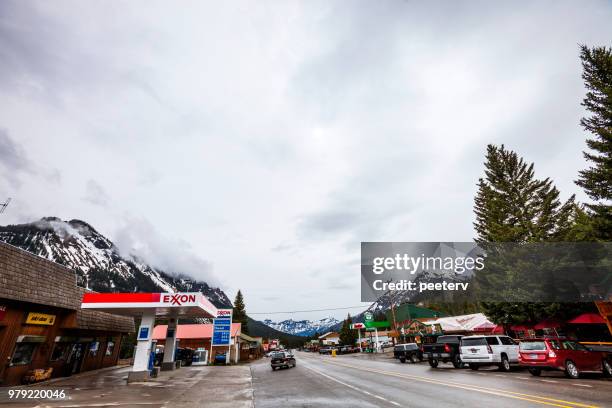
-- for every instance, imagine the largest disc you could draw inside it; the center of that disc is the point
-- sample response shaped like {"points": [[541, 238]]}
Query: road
{"points": [[366, 381]]}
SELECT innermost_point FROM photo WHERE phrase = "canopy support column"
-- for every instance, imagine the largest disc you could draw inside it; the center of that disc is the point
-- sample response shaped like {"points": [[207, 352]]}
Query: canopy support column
{"points": [[170, 346], [140, 369]]}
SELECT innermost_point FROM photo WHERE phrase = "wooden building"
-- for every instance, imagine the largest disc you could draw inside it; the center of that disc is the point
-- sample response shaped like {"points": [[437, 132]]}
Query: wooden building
{"points": [[42, 325]]}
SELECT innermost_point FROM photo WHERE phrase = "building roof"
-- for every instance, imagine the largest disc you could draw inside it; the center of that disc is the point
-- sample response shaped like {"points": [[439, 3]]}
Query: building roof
{"points": [[191, 331], [408, 312], [328, 334], [463, 323], [31, 278]]}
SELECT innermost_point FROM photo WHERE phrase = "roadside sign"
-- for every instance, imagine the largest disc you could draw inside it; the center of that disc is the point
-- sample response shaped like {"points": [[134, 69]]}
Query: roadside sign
{"points": [[221, 331], [368, 316], [357, 326]]}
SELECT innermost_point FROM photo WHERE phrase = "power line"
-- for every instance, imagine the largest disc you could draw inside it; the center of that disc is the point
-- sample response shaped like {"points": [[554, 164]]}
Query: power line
{"points": [[4, 205], [312, 310]]}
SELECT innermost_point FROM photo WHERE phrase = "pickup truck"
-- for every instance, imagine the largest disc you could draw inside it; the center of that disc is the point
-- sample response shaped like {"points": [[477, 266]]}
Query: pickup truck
{"points": [[445, 349]]}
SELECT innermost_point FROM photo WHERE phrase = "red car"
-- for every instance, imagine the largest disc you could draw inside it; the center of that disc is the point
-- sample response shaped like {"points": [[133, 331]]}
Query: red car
{"points": [[562, 354]]}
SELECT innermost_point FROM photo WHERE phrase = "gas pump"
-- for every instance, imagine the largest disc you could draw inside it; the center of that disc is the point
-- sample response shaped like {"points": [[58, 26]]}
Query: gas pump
{"points": [[151, 364]]}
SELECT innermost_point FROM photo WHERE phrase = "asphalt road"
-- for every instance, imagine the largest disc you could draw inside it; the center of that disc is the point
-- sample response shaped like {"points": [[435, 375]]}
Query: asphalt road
{"points": [[363, 381]]}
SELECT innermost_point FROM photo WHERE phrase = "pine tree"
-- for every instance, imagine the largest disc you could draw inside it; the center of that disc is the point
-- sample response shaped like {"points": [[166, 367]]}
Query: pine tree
{"points": [[597, 179], [347, 335], [239, 314], [512, 205]]}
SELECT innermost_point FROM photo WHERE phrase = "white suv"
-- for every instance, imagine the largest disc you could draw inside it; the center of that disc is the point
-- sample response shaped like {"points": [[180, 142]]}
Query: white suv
{"points": [[479, 351]]}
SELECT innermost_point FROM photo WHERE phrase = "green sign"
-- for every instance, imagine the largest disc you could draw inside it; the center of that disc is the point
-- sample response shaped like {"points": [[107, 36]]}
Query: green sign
{"points": [[368, 316]]}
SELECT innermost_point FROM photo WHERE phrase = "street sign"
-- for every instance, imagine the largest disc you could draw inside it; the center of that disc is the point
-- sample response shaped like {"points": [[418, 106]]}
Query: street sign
{"points": [[357, 326], [221, 331], [368, 316]]}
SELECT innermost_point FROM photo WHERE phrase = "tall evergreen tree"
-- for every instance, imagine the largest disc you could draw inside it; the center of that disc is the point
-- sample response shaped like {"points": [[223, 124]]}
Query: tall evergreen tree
{"points": [[239, 314], [347, 335], [597, 179], [513, 206]]}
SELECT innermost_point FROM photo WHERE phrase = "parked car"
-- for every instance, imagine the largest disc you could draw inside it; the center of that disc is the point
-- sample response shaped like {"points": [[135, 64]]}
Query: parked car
{"points": [[184, 355], [408, 351], [282, 359], [562, 354], [478, 351], [445, 349], [220, 358]]}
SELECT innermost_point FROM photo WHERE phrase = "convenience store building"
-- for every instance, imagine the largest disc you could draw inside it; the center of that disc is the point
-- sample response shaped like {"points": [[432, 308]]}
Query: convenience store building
{"points": [[42, 325]]}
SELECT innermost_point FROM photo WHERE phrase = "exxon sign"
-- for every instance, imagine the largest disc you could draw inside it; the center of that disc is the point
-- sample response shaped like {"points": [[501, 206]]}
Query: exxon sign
{"points": [[221, 313], [178, 299]]}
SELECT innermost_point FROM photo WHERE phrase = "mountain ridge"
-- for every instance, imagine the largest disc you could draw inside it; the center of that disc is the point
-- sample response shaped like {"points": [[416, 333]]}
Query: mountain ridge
{"points": [[97, 262], [302, 328]]}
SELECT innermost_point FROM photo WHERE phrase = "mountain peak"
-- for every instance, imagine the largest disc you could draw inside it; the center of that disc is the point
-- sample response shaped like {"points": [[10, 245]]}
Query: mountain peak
{"points": [[96, 260]]}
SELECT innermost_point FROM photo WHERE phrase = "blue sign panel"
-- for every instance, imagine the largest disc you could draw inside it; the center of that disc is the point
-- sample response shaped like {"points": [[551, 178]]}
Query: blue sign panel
{"points": [[221, 332], [143, 334]]}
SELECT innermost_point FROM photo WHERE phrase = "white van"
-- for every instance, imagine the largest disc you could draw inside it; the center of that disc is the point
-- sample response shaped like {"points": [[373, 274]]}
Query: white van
{"points": [[478, 351]]}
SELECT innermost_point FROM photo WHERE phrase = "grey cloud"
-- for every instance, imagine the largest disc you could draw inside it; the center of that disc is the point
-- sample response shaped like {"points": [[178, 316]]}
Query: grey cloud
{"points": [[13, 159], [138, 237], [96, 194]]}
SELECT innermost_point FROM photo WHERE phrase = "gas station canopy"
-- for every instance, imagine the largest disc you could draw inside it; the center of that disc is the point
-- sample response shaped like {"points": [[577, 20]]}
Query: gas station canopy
{"points": [[191, 304]]}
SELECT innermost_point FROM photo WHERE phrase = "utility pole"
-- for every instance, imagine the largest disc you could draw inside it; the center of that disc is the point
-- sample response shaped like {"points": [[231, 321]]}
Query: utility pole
{"points": [[4, 205]]}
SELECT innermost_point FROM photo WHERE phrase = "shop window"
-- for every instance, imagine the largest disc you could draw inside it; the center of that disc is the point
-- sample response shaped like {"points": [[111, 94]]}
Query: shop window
{"points": [[93, 348], [110, 347], [59, 351], [23, 353]]}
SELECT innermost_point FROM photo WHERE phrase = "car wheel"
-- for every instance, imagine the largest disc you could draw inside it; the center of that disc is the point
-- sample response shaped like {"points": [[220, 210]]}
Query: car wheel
{"points": [[607, 368], [505, 364], [474, 367], [403, 359], [413, 359], [571, 370], [433, 362], [535, 371], [457, 361]]}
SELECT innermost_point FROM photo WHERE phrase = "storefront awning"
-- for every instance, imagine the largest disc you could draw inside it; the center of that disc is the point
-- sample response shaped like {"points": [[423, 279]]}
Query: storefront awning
{"points": [[548, 324], [588, 318]]}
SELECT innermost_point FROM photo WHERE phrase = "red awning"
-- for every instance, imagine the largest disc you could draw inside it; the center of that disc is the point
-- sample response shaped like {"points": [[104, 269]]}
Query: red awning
{"points": [[191, 331], [548, 324], [520, 327], [588, 318]]}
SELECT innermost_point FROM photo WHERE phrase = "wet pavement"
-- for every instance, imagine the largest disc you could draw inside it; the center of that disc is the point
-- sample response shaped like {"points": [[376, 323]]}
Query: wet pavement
{"points": [[323, 381], [201, 386], [379, 381]]}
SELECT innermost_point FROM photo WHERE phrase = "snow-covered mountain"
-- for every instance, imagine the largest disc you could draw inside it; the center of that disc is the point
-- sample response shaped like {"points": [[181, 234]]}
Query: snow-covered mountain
{"points": [[96, 260], [303, 327]]}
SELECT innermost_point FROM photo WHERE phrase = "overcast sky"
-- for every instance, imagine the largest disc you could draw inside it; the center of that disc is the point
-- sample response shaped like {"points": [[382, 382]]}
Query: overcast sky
{"points": [[256, 144]]}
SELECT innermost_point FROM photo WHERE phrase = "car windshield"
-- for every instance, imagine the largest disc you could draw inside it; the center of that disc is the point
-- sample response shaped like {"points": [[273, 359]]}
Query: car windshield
{"points": [[532, 345], [448, 339], [478, 341]]}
